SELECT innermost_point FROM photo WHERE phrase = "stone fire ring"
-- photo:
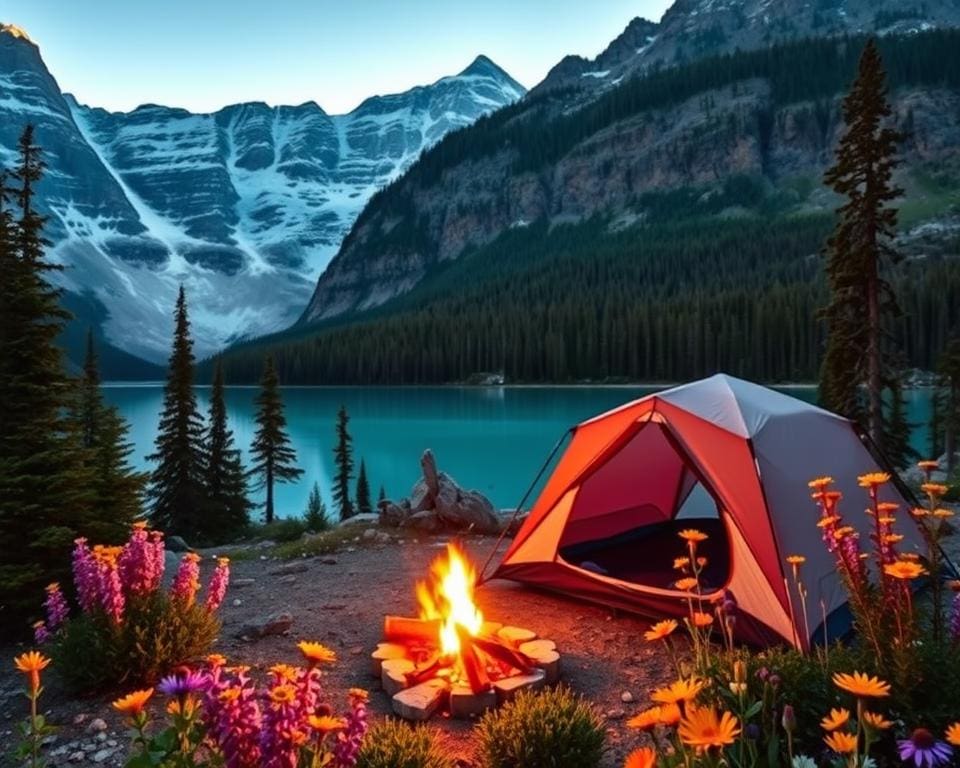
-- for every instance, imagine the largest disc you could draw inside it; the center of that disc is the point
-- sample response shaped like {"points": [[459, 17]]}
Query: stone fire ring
{"points": [[391, 663]]}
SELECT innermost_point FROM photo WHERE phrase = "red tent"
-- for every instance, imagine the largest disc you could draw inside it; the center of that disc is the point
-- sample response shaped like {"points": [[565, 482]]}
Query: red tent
{"points": [[721, 455]]}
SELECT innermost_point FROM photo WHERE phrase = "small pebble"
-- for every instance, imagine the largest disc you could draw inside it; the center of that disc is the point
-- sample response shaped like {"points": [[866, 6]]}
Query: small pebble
{"points": [[626, 697]]}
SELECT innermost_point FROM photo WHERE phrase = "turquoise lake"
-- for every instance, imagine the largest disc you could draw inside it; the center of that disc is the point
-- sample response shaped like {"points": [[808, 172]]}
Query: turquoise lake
{"points": [[491, 439]]}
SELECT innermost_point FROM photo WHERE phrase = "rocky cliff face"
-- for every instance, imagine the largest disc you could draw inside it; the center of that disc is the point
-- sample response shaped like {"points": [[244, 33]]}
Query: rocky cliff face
{"points": [[244, 206], [692, 29]]}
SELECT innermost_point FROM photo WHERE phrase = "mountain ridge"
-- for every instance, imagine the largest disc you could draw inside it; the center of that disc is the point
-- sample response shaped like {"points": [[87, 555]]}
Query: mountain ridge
{"points": [[244, 205]]}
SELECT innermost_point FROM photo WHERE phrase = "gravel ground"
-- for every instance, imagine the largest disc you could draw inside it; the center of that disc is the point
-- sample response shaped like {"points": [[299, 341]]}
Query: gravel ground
{"points": [[340, 600]]}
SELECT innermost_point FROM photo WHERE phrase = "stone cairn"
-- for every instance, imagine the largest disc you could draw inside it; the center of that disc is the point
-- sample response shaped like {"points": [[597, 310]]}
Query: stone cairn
{"points": [[438, 504]]}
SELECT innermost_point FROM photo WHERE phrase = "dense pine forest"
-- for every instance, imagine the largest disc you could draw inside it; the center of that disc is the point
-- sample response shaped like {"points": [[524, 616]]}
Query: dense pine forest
{"points": [[687, 289], [669, 302]]}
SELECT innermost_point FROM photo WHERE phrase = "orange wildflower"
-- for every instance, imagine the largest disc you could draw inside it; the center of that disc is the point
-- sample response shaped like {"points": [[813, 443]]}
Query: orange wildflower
{"points": [[706, 728], [873, 479], [679, 690], [904, 570], [836, 719], [133, 703], [31, 663], [953, 734], [701, 619], [820, 483], [876, 722], [316, 653], [643, 757], [692, 535], [841, 742], [687, 584], [861, 685], [660, 630]]}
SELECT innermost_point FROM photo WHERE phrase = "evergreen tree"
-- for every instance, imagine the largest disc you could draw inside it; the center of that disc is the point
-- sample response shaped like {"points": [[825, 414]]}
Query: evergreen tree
{"points": [[382, 496], [898, 449], [315, 515], [118, 489], [176, 491], [227, 508], [274, 458], [858, 348], [947, 402], [45, 496], [363, 490], [343, 461]]}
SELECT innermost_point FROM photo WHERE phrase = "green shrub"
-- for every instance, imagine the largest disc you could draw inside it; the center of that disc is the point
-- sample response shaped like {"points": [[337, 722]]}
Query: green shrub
{"points": [[549, 729], [285, 529], [92, 653], [394, 744]]}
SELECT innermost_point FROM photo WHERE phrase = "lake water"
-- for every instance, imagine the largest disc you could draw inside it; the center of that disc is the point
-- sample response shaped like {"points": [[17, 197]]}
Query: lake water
{"points": [[491, 439]]}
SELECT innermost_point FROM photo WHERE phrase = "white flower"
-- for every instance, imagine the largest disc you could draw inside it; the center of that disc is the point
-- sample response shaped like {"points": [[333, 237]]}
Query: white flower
{"points": [[802, 761]]}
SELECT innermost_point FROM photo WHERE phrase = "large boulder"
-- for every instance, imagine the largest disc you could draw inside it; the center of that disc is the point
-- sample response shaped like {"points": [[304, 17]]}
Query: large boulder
{"points": [[392, 515]]}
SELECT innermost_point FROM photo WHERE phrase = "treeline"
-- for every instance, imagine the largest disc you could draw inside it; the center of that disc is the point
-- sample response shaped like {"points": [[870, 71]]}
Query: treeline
{"points": [[666, 302], [538, 130]]}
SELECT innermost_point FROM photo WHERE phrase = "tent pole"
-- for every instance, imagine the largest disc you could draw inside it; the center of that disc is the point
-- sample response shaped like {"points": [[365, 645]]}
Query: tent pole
{"points": [[516, 512]]}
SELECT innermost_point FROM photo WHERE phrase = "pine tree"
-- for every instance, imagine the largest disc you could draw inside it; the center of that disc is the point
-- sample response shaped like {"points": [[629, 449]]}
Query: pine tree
{"points": [[343, 460], [897, 447], [363, 490], [859, 249], [118, 488], [947, 400], [227, 507], [274, 458], [45, 496], [176, 490], [315, 515], [382, 496]]}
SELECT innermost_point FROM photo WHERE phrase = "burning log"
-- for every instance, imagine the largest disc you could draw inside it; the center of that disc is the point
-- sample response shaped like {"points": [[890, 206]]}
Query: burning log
{"points": [[400, 629], [473, 668], [425, 671], [507, 656]]}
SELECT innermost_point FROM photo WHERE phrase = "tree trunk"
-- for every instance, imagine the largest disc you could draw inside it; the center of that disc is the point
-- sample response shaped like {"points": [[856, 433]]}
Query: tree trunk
{"points": [[874, 383], [268, 508], [949, 438]]}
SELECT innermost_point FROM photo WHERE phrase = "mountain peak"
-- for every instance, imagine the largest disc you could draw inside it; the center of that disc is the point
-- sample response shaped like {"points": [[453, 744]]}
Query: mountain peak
{"points": [[482, 66], [15, 31]]}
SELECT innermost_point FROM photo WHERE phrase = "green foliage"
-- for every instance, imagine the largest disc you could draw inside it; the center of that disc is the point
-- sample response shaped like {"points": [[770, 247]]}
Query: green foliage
{"points": [[157, 633], [859, 255], [542, 730], [273, 456], [343, 460], [284, 529], [176, 490], [363, 490], [945, 429], [315, 517], [227, 508], [46, 489], [117, 488], [394, 744]]}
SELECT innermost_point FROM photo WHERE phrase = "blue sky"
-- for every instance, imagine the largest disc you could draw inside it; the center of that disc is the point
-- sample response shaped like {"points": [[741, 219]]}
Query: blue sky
{"points": [[202, 54]]}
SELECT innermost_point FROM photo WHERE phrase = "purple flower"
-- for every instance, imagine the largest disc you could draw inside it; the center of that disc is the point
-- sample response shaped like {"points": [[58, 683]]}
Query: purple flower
{"points": [[40, 632], [218, 584], [231, 712], [347, 749], [182, 683], [109, 586], [85, 575], [187, 581], [56, 606], [924, 750]]}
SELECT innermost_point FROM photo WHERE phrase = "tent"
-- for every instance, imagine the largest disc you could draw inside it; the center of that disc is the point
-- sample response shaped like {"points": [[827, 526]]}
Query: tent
{"points": [[722, 455]]}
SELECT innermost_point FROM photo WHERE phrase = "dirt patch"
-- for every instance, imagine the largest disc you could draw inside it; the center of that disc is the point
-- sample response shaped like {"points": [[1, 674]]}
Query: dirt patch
{"points": [[340, 600]]}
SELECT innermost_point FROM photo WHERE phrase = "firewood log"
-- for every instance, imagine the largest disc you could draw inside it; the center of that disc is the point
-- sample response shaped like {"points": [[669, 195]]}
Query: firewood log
{"points": [[399, 629]]}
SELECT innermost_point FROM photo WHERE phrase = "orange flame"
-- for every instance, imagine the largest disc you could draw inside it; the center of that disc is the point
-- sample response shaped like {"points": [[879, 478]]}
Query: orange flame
{"points": [[448, 596]]}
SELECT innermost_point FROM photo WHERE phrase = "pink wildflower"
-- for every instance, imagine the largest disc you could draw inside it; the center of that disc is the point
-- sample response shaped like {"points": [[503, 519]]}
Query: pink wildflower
{"points": [[40, 632], [187, 581], [218, 584], [282, 734], [109, 586], [233, 717], [347, 749], [137, 563]]}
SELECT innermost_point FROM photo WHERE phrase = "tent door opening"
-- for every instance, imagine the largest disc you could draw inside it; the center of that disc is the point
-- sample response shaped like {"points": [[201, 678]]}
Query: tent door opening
{"points": [[628, 512]]}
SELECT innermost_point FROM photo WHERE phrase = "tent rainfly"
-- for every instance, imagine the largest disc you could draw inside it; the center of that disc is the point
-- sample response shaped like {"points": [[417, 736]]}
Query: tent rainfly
{"points": [[722, 455]]}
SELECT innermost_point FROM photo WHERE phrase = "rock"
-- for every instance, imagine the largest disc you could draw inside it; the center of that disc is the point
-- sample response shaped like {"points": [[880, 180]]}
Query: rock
{"points": [[626, 697], [296, 566], [383, 652], [96, 725], [76, 757], [364, 518], [476, 511], [370, 534], [176, 544], [420, 497], [426, 521], [101, 755], [266, 544], [291, 579], [428, 466], [382, 538], [241, 583], [615, 714], [421, 701], [237, 602], [465, 703], [509, 687], [78, 719], [328, 560], [392, 515], [516, 636], [393, 674], [274, 624]]}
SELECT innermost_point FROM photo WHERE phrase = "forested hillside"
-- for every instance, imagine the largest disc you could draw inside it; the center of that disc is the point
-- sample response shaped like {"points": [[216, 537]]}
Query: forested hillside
{"points": [[669, 229]]}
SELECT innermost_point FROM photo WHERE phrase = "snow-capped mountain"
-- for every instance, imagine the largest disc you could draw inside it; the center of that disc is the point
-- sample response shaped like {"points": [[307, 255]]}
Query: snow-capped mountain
{"points": [[244, 206], [692, 29]]}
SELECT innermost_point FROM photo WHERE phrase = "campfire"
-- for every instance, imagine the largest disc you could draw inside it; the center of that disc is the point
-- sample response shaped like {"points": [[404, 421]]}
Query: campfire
{"points": [[449, 658]]}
